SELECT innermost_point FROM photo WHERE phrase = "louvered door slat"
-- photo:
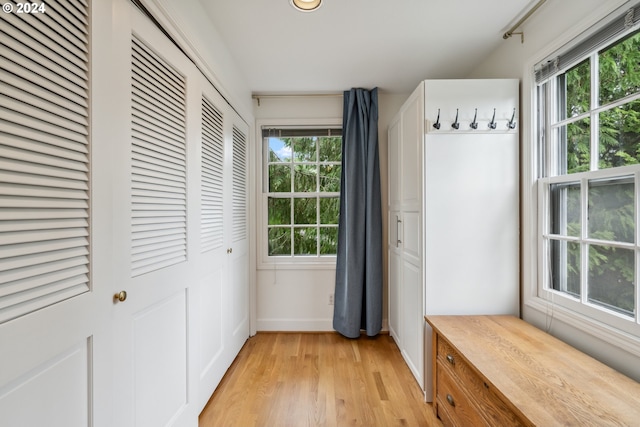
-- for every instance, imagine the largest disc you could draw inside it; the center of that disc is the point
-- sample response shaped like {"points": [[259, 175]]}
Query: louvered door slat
{"points": [[68, 48], [75, 124], [158, 150], [24, 292], [16, 178], [157, 69], [8, 94], [239, 185], [8, 50], [154, 112], [77, 9], [31, 140], [18, 251], [146, 137], [22, 32], [65, 167], [73, 103], [44, 164], [212, 185]]}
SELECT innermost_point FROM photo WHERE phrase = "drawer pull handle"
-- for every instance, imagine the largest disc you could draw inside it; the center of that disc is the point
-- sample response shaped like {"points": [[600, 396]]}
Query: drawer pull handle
{"points": [[450, 400], [450, 359]]}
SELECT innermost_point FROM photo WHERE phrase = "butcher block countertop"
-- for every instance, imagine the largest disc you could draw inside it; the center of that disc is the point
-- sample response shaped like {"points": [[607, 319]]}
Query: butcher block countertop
{"points": [[542, 380]]}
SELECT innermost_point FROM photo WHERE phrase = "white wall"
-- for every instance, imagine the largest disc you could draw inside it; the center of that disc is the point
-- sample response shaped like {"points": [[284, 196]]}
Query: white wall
{"points": [[297, 299], [555, 24]]}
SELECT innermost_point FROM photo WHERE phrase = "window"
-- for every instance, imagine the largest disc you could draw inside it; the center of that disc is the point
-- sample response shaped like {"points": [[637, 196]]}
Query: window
{"points": [[588, 122], [301, 183]]}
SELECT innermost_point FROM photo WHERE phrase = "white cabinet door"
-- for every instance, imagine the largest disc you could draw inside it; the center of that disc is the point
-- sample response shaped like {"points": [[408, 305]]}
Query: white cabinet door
{"points": [[405, 232]]}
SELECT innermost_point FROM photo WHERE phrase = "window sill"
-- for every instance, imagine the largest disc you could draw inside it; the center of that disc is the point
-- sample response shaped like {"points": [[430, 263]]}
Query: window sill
{"points": [[298, 264], [596, 329]]}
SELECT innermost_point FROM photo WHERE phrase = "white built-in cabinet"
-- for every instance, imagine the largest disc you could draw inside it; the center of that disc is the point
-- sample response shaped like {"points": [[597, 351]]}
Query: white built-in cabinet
{"points": [[453, 209], [124, 288]]}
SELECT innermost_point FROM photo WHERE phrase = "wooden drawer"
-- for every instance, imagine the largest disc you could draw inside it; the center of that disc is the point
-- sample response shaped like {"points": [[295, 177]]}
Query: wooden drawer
{"points": [[492, 409], [453, 406]]}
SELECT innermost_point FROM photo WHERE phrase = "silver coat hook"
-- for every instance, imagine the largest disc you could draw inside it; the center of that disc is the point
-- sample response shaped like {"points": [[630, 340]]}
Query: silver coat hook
{"points": [[474, 123], [492, 124], [512, 122], [436, 125], [456, 124]]}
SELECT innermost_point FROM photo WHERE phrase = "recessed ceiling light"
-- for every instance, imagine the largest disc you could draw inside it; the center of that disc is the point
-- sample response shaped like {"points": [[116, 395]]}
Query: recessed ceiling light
{"points": [[306, 5]]}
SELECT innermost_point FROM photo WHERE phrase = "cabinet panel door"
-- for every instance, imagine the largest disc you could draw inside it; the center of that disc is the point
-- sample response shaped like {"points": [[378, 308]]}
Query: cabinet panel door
{"points": [[411, 147], [394, 165]]}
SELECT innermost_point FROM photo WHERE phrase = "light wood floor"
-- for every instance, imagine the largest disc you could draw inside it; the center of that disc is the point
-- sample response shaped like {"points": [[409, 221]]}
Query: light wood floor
{"points": [[318, 379]]}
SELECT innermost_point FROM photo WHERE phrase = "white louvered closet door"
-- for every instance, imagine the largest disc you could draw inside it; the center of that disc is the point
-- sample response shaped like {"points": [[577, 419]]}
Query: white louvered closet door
{"points": [[239, 230], [152, 228], [53, 304]]}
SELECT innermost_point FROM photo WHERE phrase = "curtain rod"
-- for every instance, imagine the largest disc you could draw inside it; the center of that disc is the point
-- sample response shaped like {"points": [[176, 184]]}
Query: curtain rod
{"points": [[257, 97], [526, 16]]}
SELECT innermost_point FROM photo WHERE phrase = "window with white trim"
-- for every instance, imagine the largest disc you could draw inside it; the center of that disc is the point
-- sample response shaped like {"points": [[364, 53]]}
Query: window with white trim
{"points": [[588, 119], [301, 192]]}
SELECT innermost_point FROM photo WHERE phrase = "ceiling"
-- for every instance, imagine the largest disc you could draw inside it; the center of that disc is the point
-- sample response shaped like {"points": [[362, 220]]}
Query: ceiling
{"points": [[389, 44]]}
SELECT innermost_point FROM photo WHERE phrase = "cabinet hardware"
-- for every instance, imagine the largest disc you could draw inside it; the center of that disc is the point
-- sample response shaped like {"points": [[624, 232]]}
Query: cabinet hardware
{"points": [[451, 359], [450, 400], [120, 297]]}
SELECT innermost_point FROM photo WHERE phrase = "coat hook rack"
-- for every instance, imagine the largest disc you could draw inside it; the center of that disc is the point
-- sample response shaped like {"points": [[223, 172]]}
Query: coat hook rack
{"points": [[436, 125], [492, 124], [456, 124], [474, 123], [512, 122]]}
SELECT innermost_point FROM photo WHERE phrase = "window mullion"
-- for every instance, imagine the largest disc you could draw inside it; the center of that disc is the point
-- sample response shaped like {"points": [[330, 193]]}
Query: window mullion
{"points": [[595, 122], [584, 246]]}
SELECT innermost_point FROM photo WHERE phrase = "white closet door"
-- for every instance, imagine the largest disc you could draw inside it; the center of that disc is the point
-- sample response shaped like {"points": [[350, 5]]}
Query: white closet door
{"points": [[53, 303], [153, 325], [214, 356], [239, 249]]}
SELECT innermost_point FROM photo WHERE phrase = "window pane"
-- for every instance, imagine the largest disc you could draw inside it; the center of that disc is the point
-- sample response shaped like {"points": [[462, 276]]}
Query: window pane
{"points": [[565, 209], [329, 210], [279, 241], [279, 178], [565, 266], [620, 136], [304, 149], [611, 210], [306, 177], [279, 150], [330, 149], [328, 240], [575, 91], [330, 178], [620, 70], [279, 211], [305, 241], [304, 210], [611, 276], [574, 150]]}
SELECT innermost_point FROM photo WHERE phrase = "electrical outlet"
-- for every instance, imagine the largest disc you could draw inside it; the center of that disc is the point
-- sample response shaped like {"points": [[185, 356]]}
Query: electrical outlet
{"points": [[330, 299]]}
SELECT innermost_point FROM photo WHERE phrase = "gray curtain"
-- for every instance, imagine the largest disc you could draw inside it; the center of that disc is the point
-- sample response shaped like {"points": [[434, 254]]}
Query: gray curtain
{"points": [[358, 293]]}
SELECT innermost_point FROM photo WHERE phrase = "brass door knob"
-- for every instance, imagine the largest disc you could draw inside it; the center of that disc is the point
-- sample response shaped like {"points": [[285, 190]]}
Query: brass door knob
{"points": [[120, 296]]}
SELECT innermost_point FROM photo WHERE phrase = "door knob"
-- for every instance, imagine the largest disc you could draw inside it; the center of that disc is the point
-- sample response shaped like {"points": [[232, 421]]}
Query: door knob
{"points": [[120, 296], [230, 250]]}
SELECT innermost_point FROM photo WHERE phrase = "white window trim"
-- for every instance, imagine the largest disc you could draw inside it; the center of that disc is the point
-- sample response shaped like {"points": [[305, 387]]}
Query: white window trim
{"points": [[264, 261], [534, 297]]}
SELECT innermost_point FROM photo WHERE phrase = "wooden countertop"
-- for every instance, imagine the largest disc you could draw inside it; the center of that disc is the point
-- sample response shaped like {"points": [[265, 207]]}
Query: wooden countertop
{"points": [[540, 377]]}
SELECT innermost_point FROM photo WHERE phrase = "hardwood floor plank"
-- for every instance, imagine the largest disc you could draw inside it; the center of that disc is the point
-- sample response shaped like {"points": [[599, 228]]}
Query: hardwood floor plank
{"points": [[318, 380]]}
